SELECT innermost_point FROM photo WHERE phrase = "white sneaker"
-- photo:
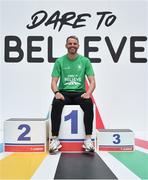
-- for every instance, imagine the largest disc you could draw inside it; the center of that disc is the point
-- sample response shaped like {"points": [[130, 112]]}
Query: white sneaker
{"points": [[88, 145], [54, 145]]}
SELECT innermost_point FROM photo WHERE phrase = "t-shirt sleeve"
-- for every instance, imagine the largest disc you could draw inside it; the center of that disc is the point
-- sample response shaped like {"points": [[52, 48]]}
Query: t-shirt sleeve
{"points": [[56, 69], [89, 69]]}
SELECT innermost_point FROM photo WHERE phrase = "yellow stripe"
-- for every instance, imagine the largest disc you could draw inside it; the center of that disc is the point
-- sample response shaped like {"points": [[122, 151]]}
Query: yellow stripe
{"points": [[20, 165]]}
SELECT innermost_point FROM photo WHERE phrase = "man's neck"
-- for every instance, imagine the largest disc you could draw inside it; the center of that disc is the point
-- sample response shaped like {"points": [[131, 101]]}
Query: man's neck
{"points": [[72, 56]]}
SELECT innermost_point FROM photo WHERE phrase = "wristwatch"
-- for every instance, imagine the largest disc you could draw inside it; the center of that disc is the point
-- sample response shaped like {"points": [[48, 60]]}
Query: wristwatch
{"points": [[56, 92]]}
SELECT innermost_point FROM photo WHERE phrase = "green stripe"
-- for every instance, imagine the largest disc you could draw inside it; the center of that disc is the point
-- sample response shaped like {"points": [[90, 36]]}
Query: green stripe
{"points": [[136, 161]]}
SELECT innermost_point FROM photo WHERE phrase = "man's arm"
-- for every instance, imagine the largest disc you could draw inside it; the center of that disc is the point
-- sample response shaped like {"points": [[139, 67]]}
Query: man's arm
{"points": [[92, 85], [54, 88], [54, 82]]}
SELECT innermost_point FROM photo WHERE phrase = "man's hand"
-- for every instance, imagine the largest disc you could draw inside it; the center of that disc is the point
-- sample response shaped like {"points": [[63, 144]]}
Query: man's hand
{"points": [[58, 95], [85, 95]]}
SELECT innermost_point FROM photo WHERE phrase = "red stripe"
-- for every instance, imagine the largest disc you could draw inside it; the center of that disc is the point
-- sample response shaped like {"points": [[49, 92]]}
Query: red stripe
{"points": [[99, 122], [24, 148], [116, 148], [72, 146], [141, 143]]}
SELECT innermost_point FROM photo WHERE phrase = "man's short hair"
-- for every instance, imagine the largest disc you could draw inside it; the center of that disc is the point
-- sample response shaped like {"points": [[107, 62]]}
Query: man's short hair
{"points": [[73, 37]]}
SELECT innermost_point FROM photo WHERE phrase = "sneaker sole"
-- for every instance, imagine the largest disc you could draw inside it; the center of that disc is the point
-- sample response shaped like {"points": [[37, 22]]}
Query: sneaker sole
{"points": [[88, 150], [54, 150]]}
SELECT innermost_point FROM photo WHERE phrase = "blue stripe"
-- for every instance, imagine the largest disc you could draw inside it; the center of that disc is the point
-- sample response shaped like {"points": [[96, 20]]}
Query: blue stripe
{"points": [[1, 147], [14, 144]]}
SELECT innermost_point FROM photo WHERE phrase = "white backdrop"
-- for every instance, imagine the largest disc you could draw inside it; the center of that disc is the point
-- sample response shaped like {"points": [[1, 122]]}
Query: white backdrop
{"points": [[122, 88]]}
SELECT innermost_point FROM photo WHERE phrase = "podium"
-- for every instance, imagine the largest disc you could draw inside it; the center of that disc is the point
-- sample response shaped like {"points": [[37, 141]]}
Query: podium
{"points": [[115, 140], [25, 135], [72, 131]]}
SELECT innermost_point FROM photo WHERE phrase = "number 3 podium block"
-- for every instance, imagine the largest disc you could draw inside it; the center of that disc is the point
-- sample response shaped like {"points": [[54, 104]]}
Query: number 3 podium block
{"points": [[115, 140], [25, 135], [72, 132]]}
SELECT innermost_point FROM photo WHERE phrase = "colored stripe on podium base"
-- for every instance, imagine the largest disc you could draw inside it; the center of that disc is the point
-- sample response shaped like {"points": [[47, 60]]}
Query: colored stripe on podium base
{"points": [[72, 145], [116, 148], [24, 147]]}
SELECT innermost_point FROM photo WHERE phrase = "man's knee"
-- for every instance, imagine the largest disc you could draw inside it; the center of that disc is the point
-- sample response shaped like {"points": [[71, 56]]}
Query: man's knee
{"points": [[87, 104], [88, 101], [58, 102]]}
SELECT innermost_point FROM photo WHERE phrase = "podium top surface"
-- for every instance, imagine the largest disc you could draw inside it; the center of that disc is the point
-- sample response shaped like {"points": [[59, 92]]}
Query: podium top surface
{"points": [[114, 130], [26, 119]]}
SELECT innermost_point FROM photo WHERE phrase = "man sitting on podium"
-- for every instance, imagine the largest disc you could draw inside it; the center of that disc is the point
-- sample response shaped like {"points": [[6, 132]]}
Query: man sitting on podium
{"points": [[71, 69]]}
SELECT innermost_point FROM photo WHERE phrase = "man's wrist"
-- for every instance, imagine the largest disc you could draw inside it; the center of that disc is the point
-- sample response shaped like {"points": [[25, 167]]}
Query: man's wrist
{"points": [[89, 93], [56, 92]]}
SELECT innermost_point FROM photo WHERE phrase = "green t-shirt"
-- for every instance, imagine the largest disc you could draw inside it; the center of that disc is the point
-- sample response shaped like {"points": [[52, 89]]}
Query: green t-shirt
{"points": [[72, 73]]}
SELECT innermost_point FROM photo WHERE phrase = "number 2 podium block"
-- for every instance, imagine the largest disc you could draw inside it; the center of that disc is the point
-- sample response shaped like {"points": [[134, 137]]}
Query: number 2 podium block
{"points": [[25, 135], [72, 132], [115, 140]]}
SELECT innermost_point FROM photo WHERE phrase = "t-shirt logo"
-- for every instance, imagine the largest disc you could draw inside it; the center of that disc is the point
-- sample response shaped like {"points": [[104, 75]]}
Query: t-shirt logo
{"points": [[72, 80], [66, 68]]}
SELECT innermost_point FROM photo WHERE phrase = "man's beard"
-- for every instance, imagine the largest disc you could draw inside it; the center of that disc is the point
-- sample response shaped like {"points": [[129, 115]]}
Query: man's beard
{"points": [[72, 50]]}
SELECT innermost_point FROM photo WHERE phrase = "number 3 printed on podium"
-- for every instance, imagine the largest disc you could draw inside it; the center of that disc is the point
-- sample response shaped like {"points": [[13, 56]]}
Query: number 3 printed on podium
{"points": [[117, 138]]}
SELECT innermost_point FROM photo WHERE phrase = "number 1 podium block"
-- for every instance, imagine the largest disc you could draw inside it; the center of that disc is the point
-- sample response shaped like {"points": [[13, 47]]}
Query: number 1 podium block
{"points": [[72, 132], [115, 140], [25, 135]]}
